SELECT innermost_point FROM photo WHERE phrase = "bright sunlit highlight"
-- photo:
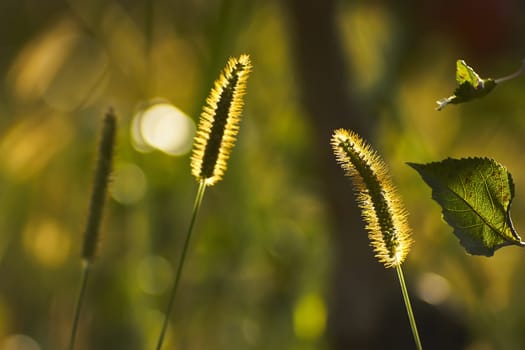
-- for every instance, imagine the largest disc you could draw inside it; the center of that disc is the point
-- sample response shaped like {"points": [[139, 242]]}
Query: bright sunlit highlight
{"points": [[433, 288], [164, 127], [309, 316], [251, 331], [47, 242], [19, 342], [129, 183], [154, 274]]}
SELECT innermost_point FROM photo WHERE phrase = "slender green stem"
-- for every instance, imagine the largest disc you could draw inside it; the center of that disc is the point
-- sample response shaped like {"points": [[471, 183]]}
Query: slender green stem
{"points": [[196, 206], [408, 307], [78, 307]]}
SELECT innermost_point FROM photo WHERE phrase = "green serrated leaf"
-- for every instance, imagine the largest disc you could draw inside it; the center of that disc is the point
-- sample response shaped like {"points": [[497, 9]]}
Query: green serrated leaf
{"points": [[470, 86], [475, 195]]}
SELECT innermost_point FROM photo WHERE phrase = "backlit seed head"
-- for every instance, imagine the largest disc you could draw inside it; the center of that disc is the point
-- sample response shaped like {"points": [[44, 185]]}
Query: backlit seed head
{"points": [[381, 207], [219, 122]]}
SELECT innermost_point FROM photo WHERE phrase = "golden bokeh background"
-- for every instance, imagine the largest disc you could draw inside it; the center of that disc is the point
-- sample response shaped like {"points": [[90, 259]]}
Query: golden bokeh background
{"points": [[279, 259]]}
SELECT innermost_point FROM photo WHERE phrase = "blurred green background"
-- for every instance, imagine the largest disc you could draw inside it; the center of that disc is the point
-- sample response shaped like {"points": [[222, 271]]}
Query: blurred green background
{"points": [[279, 259]]}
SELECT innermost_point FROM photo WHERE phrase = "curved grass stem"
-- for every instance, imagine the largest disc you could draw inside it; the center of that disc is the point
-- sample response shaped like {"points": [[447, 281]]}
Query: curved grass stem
{"points": [[196, 207], [78, 307], [514, 75], [410, 313]]}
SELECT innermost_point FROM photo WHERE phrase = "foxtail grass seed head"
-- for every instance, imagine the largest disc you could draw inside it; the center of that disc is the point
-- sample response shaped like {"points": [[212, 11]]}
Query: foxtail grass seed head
{"points": [[219, 122], [381, 208], [100, 185]]}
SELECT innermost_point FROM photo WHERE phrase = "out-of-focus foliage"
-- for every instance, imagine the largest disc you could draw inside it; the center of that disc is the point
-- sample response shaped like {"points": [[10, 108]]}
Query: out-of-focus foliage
{"points": [[259, 266]]}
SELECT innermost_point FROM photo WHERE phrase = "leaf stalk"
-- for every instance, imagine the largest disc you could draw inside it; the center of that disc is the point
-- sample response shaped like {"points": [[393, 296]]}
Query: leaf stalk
{"points": [[514, 75]]}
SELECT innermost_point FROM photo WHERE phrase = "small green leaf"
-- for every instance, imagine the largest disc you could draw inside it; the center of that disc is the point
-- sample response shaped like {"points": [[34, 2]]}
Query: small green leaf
{"points": [[475, 195], [470, 86]]}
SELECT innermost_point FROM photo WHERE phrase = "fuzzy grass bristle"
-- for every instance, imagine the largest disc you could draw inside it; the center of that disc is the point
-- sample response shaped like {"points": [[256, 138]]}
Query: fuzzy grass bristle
{"points": [[219, 122], [381, 207], [100, 185]]}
